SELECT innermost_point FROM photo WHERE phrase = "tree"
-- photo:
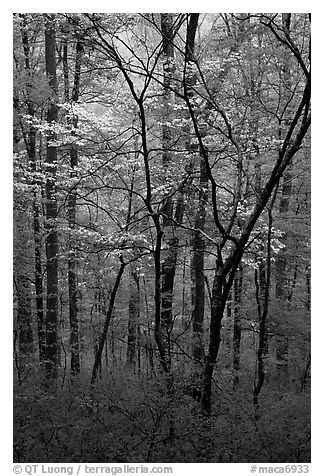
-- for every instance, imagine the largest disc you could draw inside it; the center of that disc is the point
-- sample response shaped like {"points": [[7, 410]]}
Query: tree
{"points": [[133, 319], [72, 202], [29, 132], [225, 268], [52, 344]]}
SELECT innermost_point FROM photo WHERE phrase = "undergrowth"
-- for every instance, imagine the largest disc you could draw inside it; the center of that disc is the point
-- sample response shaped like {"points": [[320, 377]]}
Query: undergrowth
{"points": [[125, 418]]}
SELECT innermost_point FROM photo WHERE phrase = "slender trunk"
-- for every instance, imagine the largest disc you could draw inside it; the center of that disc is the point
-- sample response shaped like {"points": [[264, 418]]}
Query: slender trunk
{"points": [[262, 279], [198, 242], [198, 267], [262, 286], [31, 151], [139, 342], [169, 210], [282, 349], [72, 283], [171, 242], [148, 336], [160, 338], [292, 286], [24, 314], [133, 318], [109, 313], [39, 280], [222, 284], [24, 330], [184, 302], [134, 288], [72, 202], [308, 289], [217, 311], [306, 374], [237, 331], [52, 345], [66, 70], [166, 270]]}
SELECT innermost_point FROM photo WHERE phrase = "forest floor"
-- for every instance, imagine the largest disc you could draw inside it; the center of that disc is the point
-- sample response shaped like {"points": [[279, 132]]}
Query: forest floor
{"points": [[126, 418]]}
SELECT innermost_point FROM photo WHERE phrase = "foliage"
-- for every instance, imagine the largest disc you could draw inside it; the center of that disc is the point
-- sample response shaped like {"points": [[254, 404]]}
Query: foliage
{"points": [[179, 139]]}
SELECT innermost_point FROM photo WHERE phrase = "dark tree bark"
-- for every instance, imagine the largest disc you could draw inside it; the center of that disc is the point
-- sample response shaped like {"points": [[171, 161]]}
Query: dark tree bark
{"points": [[198, 271], [308, 289], [23, 288], [134, 288], [262, 286], [282, 292], [51, 242], [282, 348], [169, 256], [24, 327], [262, 276], [237, 330], [133, 318], [39, 278], [198, 242], [306, 374], [109, 314], [72, 204], [30, 142], [217, 309]]}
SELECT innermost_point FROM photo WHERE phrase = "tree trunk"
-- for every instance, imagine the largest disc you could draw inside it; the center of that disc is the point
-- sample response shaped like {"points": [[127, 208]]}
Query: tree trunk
{"points": [[72, 201], [23, 293], [109, 313], [198, 242], [262, 275], [39, 278], [31, 151], [282, 349], [199, 267], [237, 331], [51, 242], [217, 310], [133, 318], [169, 256], [224, 271], [308, 289], [262, 285], [24, 330]]}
